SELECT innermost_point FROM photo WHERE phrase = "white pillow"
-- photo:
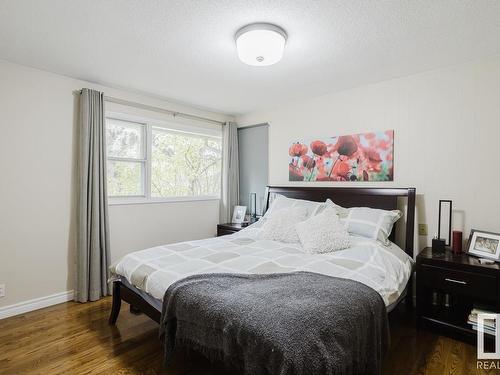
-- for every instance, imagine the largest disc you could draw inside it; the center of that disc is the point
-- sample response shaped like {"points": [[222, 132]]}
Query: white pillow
{"points": [[281, 202], [323, 233], [368, 222], [280, 226]]}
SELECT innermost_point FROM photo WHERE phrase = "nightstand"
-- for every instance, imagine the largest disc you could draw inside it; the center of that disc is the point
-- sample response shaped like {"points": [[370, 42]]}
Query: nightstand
{"points": [[229, 228], [449, 286]]}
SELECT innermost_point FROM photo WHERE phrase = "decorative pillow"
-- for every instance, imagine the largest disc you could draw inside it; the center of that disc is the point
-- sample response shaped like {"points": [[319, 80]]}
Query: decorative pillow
{"points": [[280, 226], [280, 202], [368, 222], [323, 233]]}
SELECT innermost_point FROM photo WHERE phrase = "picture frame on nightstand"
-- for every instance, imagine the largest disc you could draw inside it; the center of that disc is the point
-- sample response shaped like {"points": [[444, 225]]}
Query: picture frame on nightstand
{"points": [[484, 244], [239, 214]]}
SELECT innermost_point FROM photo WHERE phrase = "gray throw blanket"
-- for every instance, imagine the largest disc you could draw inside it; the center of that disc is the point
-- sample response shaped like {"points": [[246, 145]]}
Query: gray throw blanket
{"points": [[288, 323]]}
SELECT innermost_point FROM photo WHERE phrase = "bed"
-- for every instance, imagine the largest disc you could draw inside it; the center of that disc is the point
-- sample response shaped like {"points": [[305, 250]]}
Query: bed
{"points": [[141, 278]]}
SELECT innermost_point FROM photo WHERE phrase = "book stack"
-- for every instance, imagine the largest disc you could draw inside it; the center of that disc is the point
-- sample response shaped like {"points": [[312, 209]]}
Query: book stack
{"points": [[489, 325]]}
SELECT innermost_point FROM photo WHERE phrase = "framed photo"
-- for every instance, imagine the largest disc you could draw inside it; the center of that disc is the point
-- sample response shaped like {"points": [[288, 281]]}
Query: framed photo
{"points": [[484, 244], [239, 214]]}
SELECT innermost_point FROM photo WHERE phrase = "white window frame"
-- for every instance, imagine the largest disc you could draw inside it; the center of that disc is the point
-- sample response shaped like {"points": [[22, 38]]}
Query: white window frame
{"points": [[149, 124], [143, 160]]}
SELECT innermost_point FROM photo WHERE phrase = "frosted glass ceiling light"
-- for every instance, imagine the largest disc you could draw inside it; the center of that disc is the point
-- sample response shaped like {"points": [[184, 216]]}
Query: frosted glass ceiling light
{"points": [[260, 44]]}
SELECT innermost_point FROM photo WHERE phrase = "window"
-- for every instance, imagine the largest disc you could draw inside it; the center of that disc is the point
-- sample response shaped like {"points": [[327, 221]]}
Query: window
{"points": [[185, 164], [125, 142], [153, 162]]}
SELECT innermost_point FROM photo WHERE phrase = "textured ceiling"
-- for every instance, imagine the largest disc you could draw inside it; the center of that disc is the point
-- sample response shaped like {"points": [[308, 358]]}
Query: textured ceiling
{"points": [[184, 50]]}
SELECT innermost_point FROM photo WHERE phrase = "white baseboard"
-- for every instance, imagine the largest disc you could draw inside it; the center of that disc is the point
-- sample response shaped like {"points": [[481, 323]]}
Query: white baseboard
{"points": [[35, 304]]}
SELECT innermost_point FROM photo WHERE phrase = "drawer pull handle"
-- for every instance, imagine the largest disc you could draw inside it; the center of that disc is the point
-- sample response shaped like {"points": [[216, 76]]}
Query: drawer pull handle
{"points": [[456, 281]]}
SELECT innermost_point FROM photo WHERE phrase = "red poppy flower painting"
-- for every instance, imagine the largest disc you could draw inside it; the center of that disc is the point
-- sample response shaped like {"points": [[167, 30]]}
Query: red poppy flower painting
{"points": [[357, 157]]}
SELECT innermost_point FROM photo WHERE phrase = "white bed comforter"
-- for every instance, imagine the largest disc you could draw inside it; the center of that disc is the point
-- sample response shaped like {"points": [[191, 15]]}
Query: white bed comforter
{"points": [[383, 268]]}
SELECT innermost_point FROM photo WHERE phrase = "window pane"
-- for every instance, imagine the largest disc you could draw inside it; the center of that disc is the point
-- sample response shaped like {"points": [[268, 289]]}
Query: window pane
{"points": [[124, 139], [125, 178], [185, 164]]}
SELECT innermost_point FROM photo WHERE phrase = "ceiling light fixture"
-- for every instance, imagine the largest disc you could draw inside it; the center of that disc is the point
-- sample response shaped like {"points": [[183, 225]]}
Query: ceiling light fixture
{"points": [[260, 44]]}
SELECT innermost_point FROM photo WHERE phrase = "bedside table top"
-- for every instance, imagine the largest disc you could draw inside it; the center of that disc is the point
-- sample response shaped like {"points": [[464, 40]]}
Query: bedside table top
{"points": [[462, 260], [231, 226]]}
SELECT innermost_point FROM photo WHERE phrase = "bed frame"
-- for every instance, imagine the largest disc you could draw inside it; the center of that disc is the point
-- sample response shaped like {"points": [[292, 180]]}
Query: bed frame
{"points": [[383, 198]]}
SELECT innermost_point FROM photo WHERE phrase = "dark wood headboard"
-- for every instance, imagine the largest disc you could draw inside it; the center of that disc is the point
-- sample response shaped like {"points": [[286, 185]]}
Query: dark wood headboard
{"points": [[383, 198]]}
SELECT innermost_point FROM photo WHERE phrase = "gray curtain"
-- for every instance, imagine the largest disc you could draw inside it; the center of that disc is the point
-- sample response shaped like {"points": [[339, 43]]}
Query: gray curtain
{"points": [[230, 171], [93, 256]]}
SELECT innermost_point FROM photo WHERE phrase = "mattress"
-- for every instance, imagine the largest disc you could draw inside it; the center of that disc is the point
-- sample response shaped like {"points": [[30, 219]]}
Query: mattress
{"points": [[386, 269]]}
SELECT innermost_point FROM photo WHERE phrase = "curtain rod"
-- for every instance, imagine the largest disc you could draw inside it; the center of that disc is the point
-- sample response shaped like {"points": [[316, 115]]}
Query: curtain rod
{"points": [[161, 110], [129, 103]]}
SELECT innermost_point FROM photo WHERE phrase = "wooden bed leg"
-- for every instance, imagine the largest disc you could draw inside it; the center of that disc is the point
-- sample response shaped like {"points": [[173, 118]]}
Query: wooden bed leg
{"points": [[117, 303]]}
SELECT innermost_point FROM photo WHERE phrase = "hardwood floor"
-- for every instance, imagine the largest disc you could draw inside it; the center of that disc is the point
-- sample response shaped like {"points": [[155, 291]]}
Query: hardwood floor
{"points": [[74, 338]]}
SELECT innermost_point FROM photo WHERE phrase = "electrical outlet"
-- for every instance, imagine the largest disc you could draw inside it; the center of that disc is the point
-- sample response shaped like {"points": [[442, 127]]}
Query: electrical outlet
{"points": [[2, 290], [422, 229]]}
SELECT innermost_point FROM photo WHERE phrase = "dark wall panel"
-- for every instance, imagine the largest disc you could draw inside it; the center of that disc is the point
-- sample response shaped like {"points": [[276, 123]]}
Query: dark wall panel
{"points": [[254, 161]]}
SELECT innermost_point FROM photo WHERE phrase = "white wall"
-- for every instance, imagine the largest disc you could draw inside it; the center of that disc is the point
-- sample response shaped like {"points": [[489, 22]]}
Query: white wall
{"points": [[138, 226], [447, 133], [37, 158]]}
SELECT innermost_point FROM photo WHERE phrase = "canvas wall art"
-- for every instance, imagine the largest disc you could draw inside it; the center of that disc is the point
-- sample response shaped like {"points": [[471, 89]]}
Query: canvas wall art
{"points": [[357, 157]]}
